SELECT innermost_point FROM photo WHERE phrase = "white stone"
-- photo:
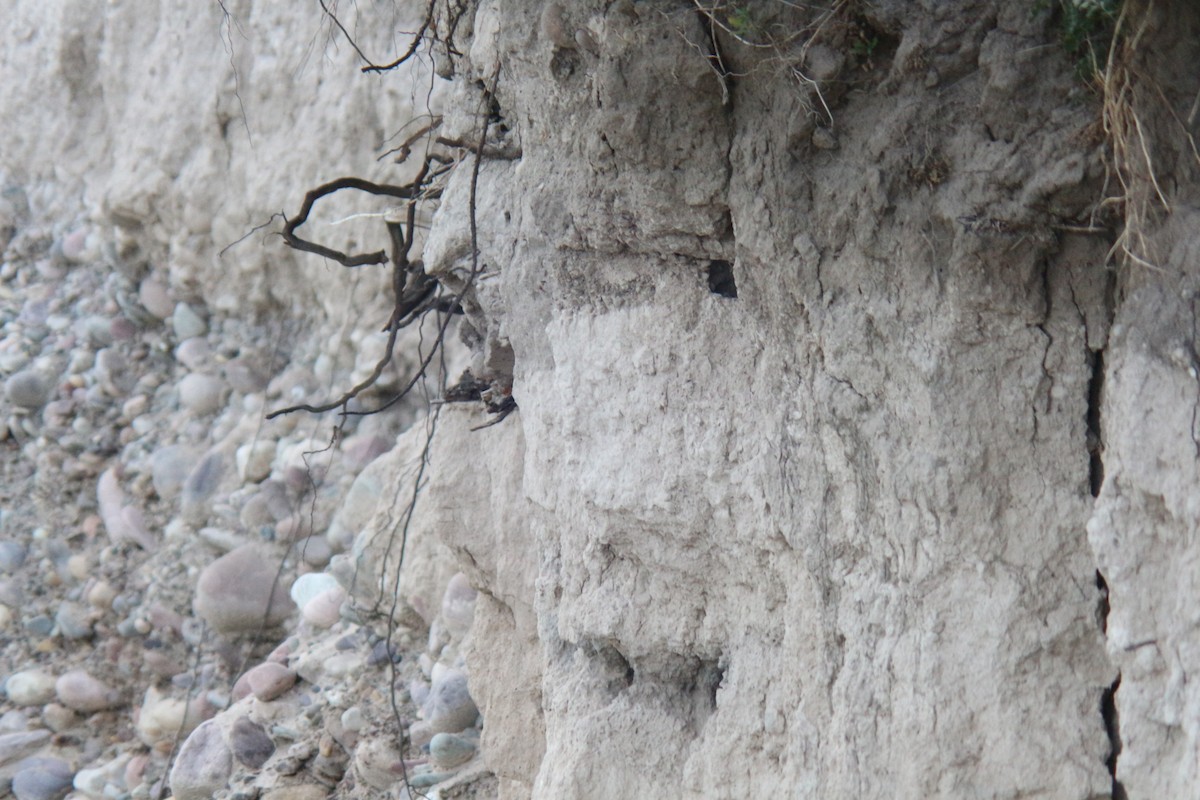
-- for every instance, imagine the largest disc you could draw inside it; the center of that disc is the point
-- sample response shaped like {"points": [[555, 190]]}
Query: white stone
{"points": [[31, 687], [309, 586], [202, 394], [254, 461], [187, 323]]}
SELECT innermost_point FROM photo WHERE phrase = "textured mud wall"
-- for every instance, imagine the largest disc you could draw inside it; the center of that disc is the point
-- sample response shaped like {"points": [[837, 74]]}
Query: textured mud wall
{"points": [[837, 535], [828, 537]]}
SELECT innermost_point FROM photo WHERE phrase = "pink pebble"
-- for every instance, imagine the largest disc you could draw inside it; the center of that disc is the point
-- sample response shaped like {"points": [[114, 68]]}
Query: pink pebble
{"points": [[135, 769], [80, 691], [324, 610], [74, 246], [122, 329], [270, 680], [155, 298], [280, 654]]}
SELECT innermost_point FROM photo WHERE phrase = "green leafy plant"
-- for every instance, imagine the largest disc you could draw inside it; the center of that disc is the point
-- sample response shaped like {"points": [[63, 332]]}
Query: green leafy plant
{"points": [[1085, 30], [742, 23], [865, 46]]}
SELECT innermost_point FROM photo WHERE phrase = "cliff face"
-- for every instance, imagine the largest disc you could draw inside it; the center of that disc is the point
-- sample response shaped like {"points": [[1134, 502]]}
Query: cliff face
{"points": [[846, 441], [828, 536]]}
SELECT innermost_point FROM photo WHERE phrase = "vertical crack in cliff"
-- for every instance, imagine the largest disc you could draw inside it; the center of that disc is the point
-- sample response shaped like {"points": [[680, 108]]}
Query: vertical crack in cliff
{"points": [[1194, 369], [1095, 444], [1108, 700], [1043, 327], [1095, 450]]}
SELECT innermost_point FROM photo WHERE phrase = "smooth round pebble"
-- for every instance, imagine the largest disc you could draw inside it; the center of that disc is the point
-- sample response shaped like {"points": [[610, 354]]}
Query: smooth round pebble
{"points": [[170, 467], [254, 461], [154, 297], [11, 594], [42, 779], [449, 707], [101, 595], [203, 765], [58, 717], [251, 744], [361, 449], [75, 246], [307, 587], [162, 716], [187, 323], [73, 621], [221, 539], [270, 680], [27, 388], [91, 781], [96, 329], [193, 353], [324, 610], [122, 329], [353, 720], [202, 481], [78, 566], [239, 591], [256, 512], [30, 687], [21, 743], [373, 761], [315, 551], [12, 556], [447, 750], [13, 721], [342, 664], [80, 691], [200, 393], [382, 652]]}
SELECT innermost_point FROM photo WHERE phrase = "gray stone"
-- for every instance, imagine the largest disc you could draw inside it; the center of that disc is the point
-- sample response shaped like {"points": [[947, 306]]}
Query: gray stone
{"points": [[203, 765], [73, 621], [193, 353], [187, 323], [27, 388], [12, 556], [170, 467], [448, 750], [449, 707], [17, 745], [42, 779], [239, 591], [251, 744], [201, 484]]}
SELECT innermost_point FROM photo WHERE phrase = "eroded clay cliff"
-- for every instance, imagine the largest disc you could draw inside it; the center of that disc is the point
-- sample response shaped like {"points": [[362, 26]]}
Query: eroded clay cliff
{"points": [[856, 443]]}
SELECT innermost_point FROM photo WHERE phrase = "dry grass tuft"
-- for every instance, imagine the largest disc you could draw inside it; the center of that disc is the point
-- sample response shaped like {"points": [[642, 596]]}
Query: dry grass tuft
{"points": [[1133, 100]]}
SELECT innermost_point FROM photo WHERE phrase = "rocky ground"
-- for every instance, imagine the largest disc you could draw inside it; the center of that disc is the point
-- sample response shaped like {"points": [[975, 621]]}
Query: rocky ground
{"points": [[181, 610]]}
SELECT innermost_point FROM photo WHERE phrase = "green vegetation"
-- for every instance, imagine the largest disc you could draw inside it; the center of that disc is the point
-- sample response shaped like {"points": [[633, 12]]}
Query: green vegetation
{"points": [[1085, 30]]}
